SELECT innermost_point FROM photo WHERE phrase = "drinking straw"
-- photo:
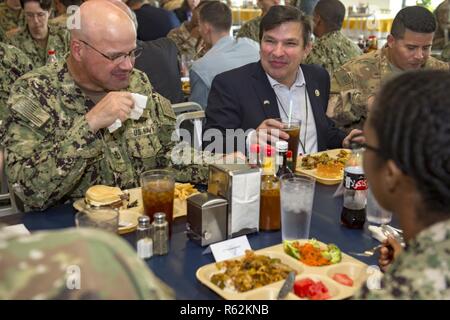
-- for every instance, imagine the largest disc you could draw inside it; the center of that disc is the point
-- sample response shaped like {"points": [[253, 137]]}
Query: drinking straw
{"points": [[290, 112]]}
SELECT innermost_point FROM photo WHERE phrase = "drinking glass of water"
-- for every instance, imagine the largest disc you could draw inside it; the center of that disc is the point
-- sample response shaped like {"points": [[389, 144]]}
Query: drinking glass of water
{"points": [[297, 196]]}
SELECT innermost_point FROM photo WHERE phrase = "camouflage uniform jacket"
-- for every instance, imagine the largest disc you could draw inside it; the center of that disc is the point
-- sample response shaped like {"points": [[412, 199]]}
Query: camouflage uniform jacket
{"points": [[332, 50], [58, 39], [60, 21], [13, 64], [356, 81], [250, 29], [420, 272], [441, 14], [10, 19], [445, 55], [186, 44], [75, 264], [53, 155]]}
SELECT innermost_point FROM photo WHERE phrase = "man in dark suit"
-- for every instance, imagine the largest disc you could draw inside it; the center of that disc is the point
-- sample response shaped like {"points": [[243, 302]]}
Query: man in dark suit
{"points": [[255, 95], [153, 23]]}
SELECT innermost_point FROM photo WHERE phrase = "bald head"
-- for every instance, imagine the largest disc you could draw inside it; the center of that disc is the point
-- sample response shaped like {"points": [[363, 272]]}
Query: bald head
{"points": [[104, 21]]}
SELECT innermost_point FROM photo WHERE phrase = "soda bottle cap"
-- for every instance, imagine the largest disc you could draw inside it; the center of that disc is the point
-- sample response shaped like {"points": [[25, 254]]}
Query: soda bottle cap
{"points": [[289, 154], [268, 150], [254, 148], [281, 146], [51, 51]]}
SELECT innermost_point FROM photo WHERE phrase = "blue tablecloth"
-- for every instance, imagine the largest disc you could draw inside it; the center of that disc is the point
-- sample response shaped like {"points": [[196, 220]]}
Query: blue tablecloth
{"points": [[178, 268]]}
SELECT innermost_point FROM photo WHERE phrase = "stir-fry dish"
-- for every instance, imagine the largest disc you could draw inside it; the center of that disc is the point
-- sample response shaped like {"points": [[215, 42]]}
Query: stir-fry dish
{"points": [[310, 162], [325, 165], [250, 272]]}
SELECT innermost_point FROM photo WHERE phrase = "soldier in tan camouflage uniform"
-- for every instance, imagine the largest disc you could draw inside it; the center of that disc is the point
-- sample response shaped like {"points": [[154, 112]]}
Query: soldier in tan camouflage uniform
{"points": [[406, 164], [331, 48], [75, 264], [13, 64], [445, 55], [187, 37], [408, 48], [56, 135], [38, 36], [250, 29], [11, 16], [441, 14]]}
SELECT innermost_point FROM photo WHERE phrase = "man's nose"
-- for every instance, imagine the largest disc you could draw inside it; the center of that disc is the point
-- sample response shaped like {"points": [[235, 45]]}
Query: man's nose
{"points": [[419, 54], [278, 50], [127, 63]]}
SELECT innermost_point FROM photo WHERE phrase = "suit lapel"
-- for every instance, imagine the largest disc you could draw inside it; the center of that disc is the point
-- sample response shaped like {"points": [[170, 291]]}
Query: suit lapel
{"points": [[265, 93]]}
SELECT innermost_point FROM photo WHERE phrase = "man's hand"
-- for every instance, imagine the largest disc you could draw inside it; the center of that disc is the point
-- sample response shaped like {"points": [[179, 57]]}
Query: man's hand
{"points": [[389, 252], [115, 105], [234, 158], [270, 131], [354, 135]]}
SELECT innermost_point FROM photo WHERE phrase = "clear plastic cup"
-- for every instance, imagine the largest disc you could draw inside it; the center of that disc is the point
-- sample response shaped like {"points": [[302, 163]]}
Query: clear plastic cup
{"points": [[104, 218], [297, 197], [375, 213]]}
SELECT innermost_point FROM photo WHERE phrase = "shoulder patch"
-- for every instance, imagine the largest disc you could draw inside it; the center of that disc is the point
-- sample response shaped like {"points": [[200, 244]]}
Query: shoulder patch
{"points": [[165, 104], [343, 78], [31, 112]]}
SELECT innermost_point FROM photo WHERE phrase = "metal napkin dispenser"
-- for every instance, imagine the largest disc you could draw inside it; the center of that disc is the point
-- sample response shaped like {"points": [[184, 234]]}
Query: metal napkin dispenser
{"points": [[240, 184], [206, 218]]}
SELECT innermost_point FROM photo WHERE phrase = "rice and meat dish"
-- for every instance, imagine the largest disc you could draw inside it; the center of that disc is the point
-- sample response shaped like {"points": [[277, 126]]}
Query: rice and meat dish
{"points": [[251, 272]]}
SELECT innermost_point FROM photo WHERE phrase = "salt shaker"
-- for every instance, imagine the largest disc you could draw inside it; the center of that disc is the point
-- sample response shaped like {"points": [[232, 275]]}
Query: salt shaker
{"points": [[160, 234], [144, 240]]}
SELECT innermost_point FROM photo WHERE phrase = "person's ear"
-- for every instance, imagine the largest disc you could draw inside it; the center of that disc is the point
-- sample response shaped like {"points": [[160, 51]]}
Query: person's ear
{"points": [[390, 40], [308, 48], [393, 176], [75, 49]]}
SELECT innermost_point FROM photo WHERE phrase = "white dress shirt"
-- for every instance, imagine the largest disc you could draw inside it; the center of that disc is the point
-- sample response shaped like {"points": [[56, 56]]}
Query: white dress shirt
{"points": [[297, 96]]}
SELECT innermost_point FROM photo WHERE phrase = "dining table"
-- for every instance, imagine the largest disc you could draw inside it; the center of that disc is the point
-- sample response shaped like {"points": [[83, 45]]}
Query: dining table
{"points": [[178, 268]]}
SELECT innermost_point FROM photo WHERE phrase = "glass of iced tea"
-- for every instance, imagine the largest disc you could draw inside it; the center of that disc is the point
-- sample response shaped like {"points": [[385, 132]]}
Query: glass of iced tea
{"points": [[292, 128], [157, 193]]}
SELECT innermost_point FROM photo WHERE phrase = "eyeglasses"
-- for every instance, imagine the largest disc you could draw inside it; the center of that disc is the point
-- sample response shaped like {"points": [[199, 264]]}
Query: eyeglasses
{"points": [[118, 58], [40, 15], [358, 145]]}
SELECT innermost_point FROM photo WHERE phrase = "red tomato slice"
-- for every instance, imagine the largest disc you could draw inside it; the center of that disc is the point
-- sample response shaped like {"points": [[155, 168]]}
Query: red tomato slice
{"points": [[308, 288], [343, 279], [301, 287]]}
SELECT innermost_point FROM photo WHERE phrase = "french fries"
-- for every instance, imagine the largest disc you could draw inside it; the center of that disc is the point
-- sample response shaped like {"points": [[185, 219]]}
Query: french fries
{"points": [[184, 190]]}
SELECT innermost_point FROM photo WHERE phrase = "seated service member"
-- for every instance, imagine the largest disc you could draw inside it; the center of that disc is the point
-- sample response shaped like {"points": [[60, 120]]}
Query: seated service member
{"points": [[254, 95], [406, 161], [56, 135], [74, 264], [215, 24], [38, 36], [408, 48], [331, 49]]}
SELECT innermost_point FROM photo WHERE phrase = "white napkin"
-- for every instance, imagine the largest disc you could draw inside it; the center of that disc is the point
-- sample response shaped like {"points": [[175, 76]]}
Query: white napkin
{"points": [[140, 101], [245, 201], [376, 233]]}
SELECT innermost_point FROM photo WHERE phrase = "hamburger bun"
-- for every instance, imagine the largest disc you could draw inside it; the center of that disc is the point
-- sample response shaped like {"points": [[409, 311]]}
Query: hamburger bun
{"points": [[101, 195]]}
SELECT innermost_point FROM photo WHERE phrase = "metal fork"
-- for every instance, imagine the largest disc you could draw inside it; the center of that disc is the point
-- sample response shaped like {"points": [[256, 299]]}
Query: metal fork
{"points": [[367, 253]]}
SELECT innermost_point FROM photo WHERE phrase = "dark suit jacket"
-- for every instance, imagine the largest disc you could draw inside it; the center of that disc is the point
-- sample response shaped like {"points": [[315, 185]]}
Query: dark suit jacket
{"points": [[154, 23], [243, 98], [160, 63]]}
